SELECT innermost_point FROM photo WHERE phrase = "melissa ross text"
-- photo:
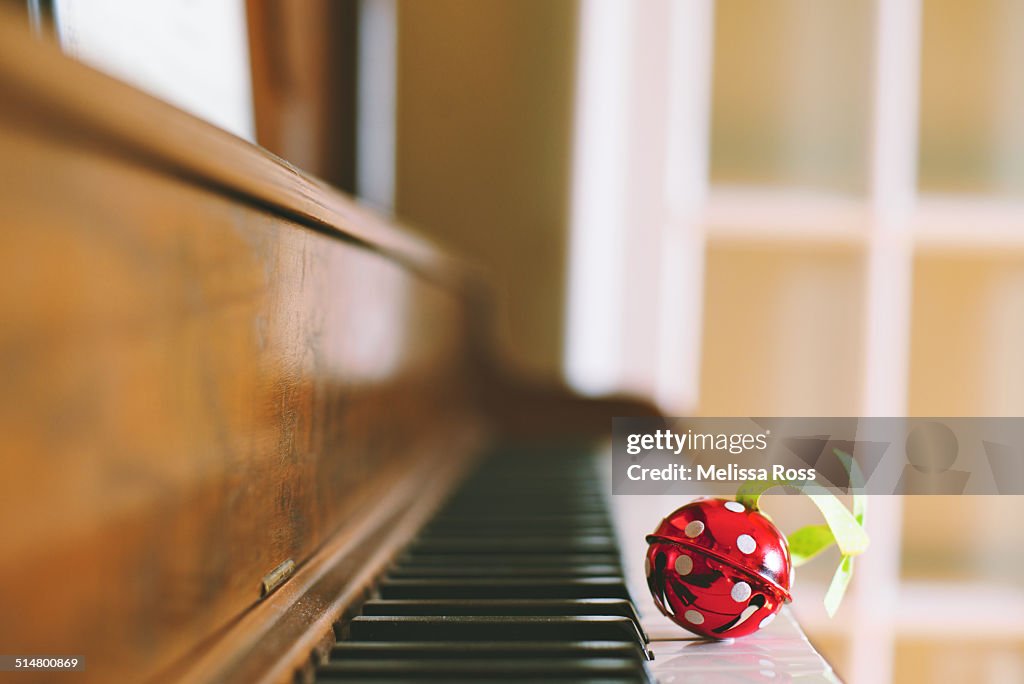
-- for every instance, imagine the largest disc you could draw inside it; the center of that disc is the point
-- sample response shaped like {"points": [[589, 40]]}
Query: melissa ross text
{"points": [[728, 473]]}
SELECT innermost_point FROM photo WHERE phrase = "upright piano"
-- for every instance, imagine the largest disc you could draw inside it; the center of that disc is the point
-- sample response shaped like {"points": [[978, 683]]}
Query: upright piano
{"points": [[255, 432]]}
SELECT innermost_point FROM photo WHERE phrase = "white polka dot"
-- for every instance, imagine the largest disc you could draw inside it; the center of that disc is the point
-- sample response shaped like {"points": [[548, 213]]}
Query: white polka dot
{"points": [[735, 506], [647, 566], [684, 564], [746, 543], [740, 592], [767, 621], [747, 612], [693, 528], [693, 617]]}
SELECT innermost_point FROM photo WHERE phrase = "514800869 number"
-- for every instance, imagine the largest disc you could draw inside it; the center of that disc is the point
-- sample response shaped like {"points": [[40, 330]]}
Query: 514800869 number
{"points": [[41, 663]]}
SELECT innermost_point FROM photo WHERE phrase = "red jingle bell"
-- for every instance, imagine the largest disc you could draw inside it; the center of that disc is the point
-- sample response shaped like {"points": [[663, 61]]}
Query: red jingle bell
{"points": [[718, 569]]}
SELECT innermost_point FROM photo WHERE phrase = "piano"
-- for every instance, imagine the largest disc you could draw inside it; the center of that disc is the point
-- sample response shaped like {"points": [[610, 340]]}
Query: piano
{"points": [[255, 432]]}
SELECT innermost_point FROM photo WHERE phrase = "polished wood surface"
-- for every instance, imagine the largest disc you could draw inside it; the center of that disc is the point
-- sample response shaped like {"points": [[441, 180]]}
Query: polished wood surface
{"points": [[213, 365], [76, 104]]}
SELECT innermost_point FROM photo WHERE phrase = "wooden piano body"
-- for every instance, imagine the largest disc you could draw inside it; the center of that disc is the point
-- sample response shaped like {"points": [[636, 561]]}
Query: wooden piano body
{"points": [[214, 368]]}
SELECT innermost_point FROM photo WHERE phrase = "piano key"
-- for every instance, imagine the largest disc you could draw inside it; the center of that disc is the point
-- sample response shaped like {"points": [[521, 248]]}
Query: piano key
{"points": [[586, 587], [504, 559], [551, 572], [473, 544], [545, 519], [594, 669], [350, 650], [529, 531], [529, 502], [613, 607], [537, 510], [493, 628], [539, 527]]}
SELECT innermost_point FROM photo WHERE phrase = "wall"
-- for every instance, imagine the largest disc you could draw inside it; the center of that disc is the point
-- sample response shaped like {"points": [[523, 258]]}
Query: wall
{"points": [[485, 94]]}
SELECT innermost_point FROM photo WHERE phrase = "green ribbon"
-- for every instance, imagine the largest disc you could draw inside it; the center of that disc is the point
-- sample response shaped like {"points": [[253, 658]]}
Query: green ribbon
{"points": [[842, 527]]}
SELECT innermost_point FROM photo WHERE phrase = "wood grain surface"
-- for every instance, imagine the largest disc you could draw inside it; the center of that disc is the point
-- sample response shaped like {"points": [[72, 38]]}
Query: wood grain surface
{"points": [[211, 365]]}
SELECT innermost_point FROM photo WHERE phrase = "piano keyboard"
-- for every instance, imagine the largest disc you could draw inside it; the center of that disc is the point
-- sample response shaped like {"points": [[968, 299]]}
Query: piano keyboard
{"points": [[518, 577]]}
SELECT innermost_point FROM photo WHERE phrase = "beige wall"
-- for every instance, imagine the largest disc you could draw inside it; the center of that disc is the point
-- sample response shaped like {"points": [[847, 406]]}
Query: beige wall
{"points": [[485, 94]]}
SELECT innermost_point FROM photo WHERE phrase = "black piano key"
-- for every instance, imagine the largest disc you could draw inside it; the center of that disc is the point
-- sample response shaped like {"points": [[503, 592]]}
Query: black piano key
{"points": [[493, 628], [541, 544], [612, 607], [525, 528], [529, 529], [510, 559], [377, 650], [524, 503], [481, 588], [618, 669], [489, 518], [462, 570]]}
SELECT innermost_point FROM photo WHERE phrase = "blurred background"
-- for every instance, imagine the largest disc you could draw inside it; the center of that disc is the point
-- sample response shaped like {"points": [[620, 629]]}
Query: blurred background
{"points": [[783, 207]]}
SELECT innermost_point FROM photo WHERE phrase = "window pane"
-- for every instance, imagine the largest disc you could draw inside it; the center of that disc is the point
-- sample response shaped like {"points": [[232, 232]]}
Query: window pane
{"points": [[972, 96], [791, 100]]}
